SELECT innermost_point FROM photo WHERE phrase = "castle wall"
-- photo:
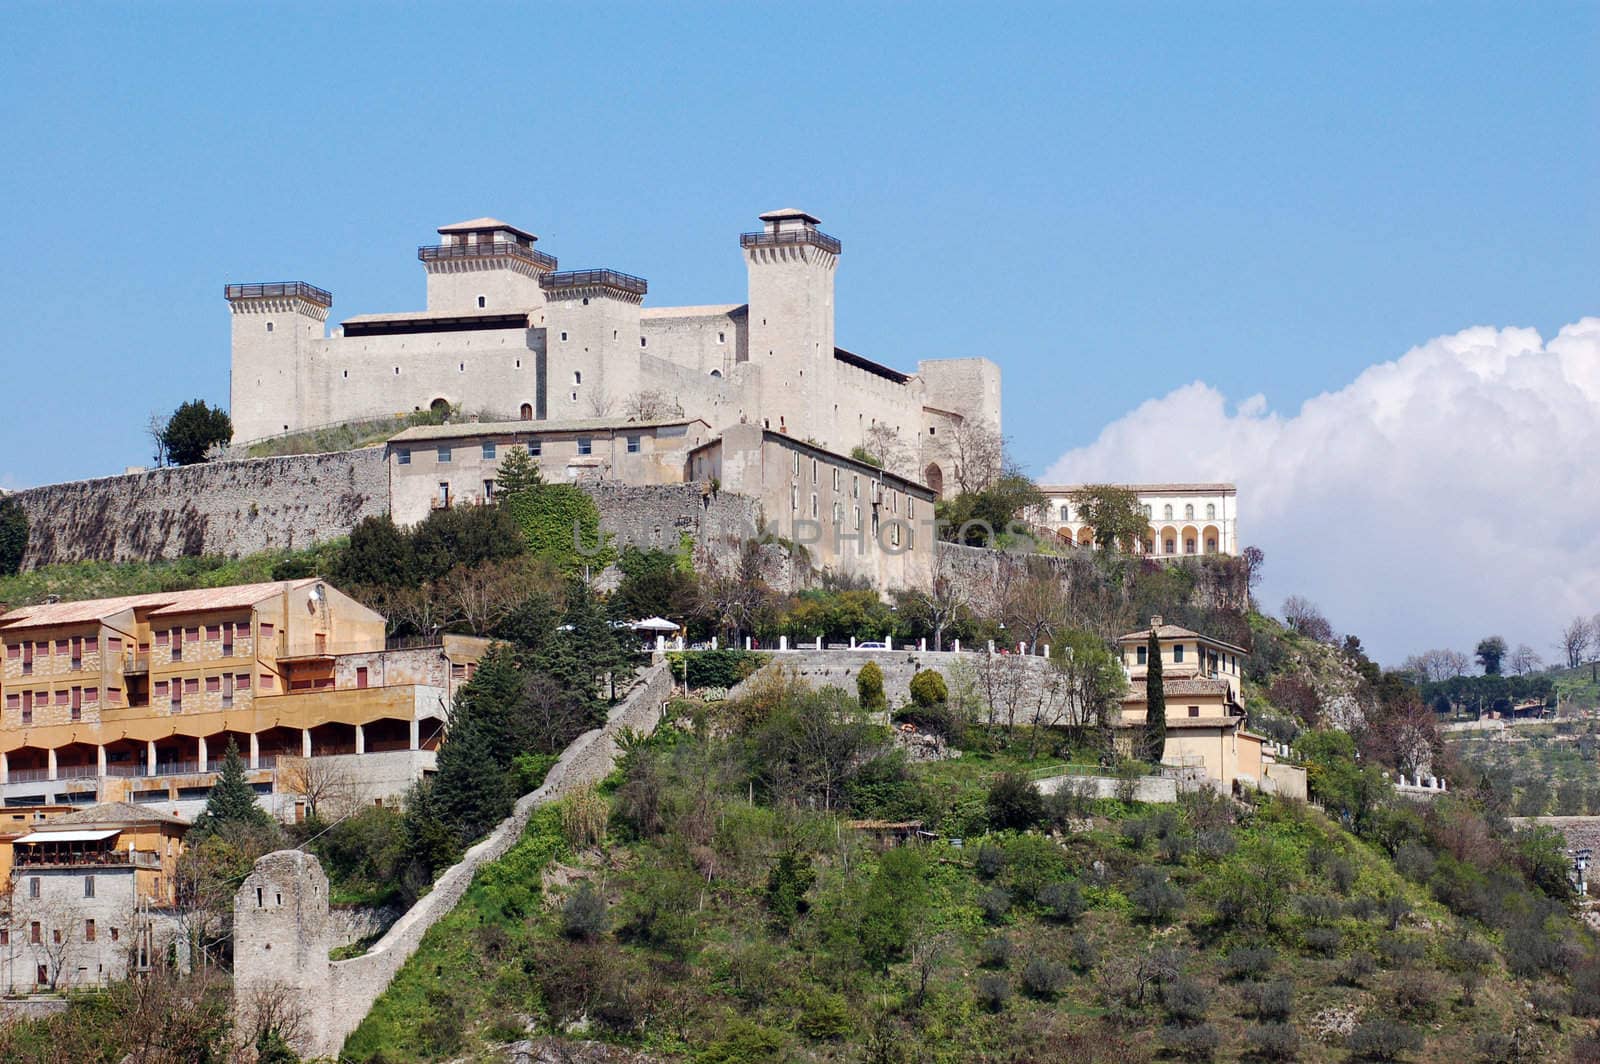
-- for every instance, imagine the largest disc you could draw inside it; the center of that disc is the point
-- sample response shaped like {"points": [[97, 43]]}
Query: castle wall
{"points": [[226, 508], [697, 338], [336, 996]]}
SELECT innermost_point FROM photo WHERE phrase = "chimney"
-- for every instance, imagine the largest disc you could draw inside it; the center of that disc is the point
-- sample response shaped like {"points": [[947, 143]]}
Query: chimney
{"points": [[1155, 622]]}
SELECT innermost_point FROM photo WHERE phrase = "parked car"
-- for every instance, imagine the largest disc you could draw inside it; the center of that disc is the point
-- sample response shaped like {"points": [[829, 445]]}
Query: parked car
{"points": [[872, 645]]}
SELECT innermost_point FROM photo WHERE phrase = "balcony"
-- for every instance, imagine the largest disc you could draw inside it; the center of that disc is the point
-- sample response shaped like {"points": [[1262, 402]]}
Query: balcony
{"points": [[622, 282], [445, 252], [136, 664], [28, 857], [791, 237], [280, 290]]}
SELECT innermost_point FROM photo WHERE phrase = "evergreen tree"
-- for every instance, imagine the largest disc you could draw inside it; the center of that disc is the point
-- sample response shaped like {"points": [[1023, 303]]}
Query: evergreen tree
{"points": [[231, 800], [13, 536], [193, 430], [471, 791], [518, 473], [378, 555], [1155, 721]]}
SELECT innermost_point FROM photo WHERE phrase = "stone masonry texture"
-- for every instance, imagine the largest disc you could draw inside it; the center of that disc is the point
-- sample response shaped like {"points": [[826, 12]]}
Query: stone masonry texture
{"points": [[224, 507]]}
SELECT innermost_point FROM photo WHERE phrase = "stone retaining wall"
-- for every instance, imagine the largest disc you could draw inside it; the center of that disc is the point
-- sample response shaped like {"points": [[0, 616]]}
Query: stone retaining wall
{"points": [[224, 507]]}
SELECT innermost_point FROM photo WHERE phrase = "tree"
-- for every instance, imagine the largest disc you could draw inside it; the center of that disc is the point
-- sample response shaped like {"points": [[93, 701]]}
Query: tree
{"points": [[883, 444], [231, 801], [518, 473], [1525, 659], [977, 517], [483, 596], [13, 535], [327, 787], [1302, 615], [654, 584], [943, 600], [193, 429], [1576, 639], [651, 405], [1115, 513], [869, 686], [377, 555], [1155, 720], [732, 598], [1094, 681], [1437, 666], [1490, 653]]}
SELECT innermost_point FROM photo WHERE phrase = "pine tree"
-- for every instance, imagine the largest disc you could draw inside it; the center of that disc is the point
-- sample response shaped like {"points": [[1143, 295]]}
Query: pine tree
{"points": [[231, 801], [517, 473], [1155, 721]]}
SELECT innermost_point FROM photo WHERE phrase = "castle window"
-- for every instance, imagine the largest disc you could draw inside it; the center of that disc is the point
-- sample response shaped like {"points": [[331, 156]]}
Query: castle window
{"points": [[563, 336], [722, 338], [932, 431], [346, 374], [489, 451], [794, 497], [577, 376], [585, 300], [269, 326], [519, 363], [403, 456], [813, 504], [461, 367], [88, 890], [488, 496], [585, 445], [633, 445], [613, 334], [397, 371], [535, 448], [642, 341], [572, 397], [482, 302], [444, 456], [716, 373]]}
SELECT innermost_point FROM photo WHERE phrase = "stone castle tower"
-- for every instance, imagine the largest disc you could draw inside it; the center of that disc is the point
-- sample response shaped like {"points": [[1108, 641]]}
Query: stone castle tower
{"points": [[791, 264], [280, 948]]}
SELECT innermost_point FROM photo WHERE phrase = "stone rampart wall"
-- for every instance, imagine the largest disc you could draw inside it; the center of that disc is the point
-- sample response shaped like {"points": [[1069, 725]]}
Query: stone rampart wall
{"points": [[357, 982], [224, 507]]}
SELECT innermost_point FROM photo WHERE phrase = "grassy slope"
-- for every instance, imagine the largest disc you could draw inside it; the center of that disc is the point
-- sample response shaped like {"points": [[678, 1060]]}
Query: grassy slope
{"points": [[86, 580], [744, 992]]}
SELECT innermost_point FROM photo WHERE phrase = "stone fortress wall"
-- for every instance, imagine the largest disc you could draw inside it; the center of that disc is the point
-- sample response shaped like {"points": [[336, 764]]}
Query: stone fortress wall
{"points": [[281, 947], [224, 508]]}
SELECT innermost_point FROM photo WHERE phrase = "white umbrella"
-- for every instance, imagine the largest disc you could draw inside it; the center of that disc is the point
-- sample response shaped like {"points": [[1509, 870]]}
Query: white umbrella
{"points": [[654, 624]]}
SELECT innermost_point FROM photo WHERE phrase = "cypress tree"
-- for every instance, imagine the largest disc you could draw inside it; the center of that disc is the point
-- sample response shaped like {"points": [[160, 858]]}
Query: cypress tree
{"points": [[231, 800], [1155, 693]]}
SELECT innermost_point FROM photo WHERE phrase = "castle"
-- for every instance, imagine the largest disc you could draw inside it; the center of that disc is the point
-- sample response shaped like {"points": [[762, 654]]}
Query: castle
{"points": [[509, 336]]}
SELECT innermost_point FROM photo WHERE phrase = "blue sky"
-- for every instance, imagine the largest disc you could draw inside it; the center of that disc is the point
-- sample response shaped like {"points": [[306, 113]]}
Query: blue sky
{"points": [[1110, 201]]}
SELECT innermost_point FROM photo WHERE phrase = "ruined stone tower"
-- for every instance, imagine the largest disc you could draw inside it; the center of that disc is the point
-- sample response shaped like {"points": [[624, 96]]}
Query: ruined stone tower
{"points": [[280, 949]]}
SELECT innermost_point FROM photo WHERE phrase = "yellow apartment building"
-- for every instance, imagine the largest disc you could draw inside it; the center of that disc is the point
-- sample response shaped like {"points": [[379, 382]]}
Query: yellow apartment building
{"points": [[137, 697]]}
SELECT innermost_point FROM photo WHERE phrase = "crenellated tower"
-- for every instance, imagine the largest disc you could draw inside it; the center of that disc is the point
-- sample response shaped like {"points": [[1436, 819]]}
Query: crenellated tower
{"points": [[791, 265], [592, 343], [275, 327], [484, 265]]}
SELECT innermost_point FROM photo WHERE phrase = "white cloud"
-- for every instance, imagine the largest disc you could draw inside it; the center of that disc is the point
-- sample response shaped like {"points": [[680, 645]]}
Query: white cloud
{"points": [[1447, 495]]}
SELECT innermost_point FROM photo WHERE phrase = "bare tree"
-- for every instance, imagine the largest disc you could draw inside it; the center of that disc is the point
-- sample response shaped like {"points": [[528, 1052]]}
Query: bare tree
{"points": [[733, 596], [482, 596], [1302, 615], [61, 936], [928, 949], [272, 1010], [1438, 665], [1525, 659], [156, 428], [598, 403], [977, 453], [1576, 639], [650, 405], [1034, 607], [328, 787], [420, 608], [942, 601], [883, 442], [1003, 680]]}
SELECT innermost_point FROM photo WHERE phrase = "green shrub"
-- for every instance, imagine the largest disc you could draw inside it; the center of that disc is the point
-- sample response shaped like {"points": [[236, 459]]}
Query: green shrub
{"points": [[1274, 1041], [1399, 950], [584, 915], [1358, 968], [1323, 940], [1014, 803], [1249, 962], [1084, 953], [723, 668], [1383, 1039], [824, 1016], [1063, 902], [993, 991], [1185, 1000], [1043, 978], [995, 952], [995, 903], [743, 1042], [1271, 1001], [1191, 1043], [928, 688], [787, 883], [869, 687], [1156, 898], [990, 861]]}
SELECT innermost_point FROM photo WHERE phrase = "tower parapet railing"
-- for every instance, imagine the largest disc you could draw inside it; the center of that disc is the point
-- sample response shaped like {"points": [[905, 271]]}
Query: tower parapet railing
{"points": [[440, 252], [785, 237], [625, 282], [280, 290]]}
